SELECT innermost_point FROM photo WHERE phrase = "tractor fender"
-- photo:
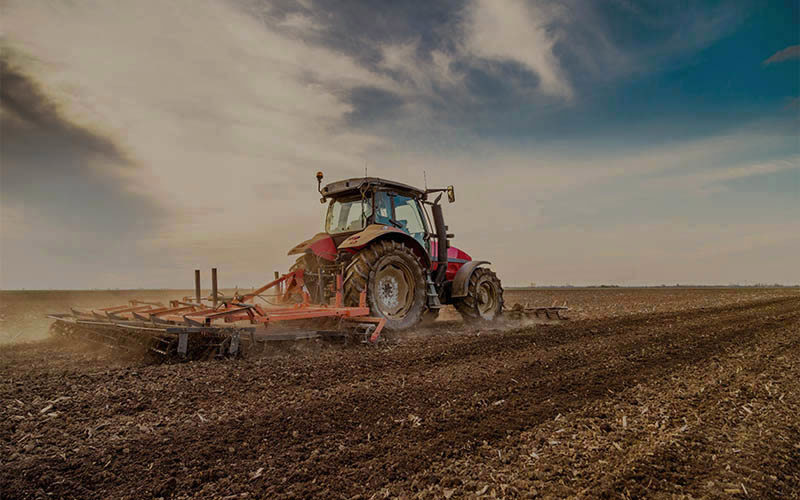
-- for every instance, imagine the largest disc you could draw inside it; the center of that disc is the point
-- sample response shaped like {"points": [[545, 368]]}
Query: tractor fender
{"points": [[379, 231], [461, 280], [321, 245]]}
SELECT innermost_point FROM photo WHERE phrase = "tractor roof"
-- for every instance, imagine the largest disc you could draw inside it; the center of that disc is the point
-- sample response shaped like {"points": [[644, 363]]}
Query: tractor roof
{"points": [[350, 186]]}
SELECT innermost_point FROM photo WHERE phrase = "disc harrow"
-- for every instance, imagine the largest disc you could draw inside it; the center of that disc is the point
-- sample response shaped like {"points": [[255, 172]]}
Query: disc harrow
{"points": [[218, 326]]}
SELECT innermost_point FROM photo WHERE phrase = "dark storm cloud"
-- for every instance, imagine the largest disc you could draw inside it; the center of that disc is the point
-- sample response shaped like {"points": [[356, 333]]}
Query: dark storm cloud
{"points": [[34, 129], [56, 174]]}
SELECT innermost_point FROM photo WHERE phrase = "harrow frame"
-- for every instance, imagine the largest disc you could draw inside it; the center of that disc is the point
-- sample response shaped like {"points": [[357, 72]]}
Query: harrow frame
{"points": [[218, 326]]}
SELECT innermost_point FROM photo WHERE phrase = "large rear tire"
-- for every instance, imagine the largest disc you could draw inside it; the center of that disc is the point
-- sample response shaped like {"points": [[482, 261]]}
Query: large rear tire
{"points": [[484, 300], [394, 279]]}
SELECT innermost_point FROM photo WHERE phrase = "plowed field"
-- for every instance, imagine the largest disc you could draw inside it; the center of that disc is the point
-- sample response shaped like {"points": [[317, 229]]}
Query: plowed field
{"points": [[699, 401]]}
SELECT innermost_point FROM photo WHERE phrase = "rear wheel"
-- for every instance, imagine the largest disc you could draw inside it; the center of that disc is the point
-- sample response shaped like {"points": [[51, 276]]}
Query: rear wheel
{"points": [[484, 300], [394, 280]]}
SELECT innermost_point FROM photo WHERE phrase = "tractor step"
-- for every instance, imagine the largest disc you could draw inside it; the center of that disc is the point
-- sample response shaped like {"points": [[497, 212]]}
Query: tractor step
{"points": [[433, 296]]}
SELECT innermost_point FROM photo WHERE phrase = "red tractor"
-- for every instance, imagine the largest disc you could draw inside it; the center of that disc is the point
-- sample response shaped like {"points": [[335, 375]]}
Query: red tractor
{"points": [[385, 237]]}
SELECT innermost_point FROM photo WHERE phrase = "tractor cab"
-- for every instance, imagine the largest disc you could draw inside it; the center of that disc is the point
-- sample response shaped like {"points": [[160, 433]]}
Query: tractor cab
{"points": [[385, 205]]}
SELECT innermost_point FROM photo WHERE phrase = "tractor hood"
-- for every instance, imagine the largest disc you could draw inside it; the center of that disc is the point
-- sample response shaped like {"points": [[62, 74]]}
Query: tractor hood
{"points": [[321, 245]]}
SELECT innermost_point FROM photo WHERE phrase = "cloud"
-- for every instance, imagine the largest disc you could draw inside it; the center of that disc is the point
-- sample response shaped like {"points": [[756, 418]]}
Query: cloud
{"points": [[530, 60], [34, 128], [423, 74], [454, 54], [299, 22], [517, 31], [227, 121], [708, 180], [787, 54], [587, 215], [429, 48], [63, 187]]}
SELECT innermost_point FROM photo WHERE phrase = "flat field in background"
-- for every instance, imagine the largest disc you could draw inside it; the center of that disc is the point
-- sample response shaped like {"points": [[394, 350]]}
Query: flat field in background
{"points": [[657, 393], [595, 303]]}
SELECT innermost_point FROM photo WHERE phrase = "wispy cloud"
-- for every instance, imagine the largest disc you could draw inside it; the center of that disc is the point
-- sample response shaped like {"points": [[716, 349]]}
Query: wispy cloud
{"points": [[791, 52], [517, 31], [711, 180], [421, 73]]}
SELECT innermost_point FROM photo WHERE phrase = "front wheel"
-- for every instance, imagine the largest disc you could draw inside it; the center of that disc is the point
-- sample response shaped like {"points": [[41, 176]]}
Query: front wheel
{"points": [[484, 300]]}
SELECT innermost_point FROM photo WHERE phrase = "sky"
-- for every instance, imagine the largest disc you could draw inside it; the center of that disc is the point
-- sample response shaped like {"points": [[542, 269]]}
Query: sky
{"points": [[627, 142]]}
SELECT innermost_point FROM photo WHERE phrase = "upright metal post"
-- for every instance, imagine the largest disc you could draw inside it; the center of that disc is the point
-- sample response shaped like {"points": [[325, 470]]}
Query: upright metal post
{"points": [[197, 285], [280, 285], [338, 290], [214, 285]]}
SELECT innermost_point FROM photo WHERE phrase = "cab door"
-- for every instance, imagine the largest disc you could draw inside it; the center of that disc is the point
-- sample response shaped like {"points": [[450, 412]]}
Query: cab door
{"points": [[409, 218]]}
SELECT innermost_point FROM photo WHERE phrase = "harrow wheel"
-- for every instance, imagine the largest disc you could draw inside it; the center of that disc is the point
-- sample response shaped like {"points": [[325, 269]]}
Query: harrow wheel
{"points": [[484, 300], [394, 280]]}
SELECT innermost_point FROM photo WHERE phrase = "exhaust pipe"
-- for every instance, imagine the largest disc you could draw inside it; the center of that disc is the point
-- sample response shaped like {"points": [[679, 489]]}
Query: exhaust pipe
{"points": [[443, 244]]}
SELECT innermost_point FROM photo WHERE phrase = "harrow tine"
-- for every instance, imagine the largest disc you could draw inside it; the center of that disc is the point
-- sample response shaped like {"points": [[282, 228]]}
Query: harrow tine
{"points": [[552, 313]]}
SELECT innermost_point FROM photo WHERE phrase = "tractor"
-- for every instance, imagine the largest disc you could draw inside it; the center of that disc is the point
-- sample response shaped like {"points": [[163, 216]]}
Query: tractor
{"points": [[384, 261], [390, 240]]}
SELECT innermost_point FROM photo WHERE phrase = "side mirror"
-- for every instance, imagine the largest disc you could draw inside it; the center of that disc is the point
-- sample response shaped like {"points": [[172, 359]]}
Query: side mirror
{"points": [[451, 194]]}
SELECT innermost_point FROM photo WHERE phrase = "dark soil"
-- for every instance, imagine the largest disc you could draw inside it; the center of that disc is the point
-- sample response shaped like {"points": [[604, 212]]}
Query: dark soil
{"points": [[694, 403]]}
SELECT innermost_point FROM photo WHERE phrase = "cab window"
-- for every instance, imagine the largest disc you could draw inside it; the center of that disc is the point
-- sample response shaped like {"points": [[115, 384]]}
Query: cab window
{"points": [[407, 214], [346, 215]]}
